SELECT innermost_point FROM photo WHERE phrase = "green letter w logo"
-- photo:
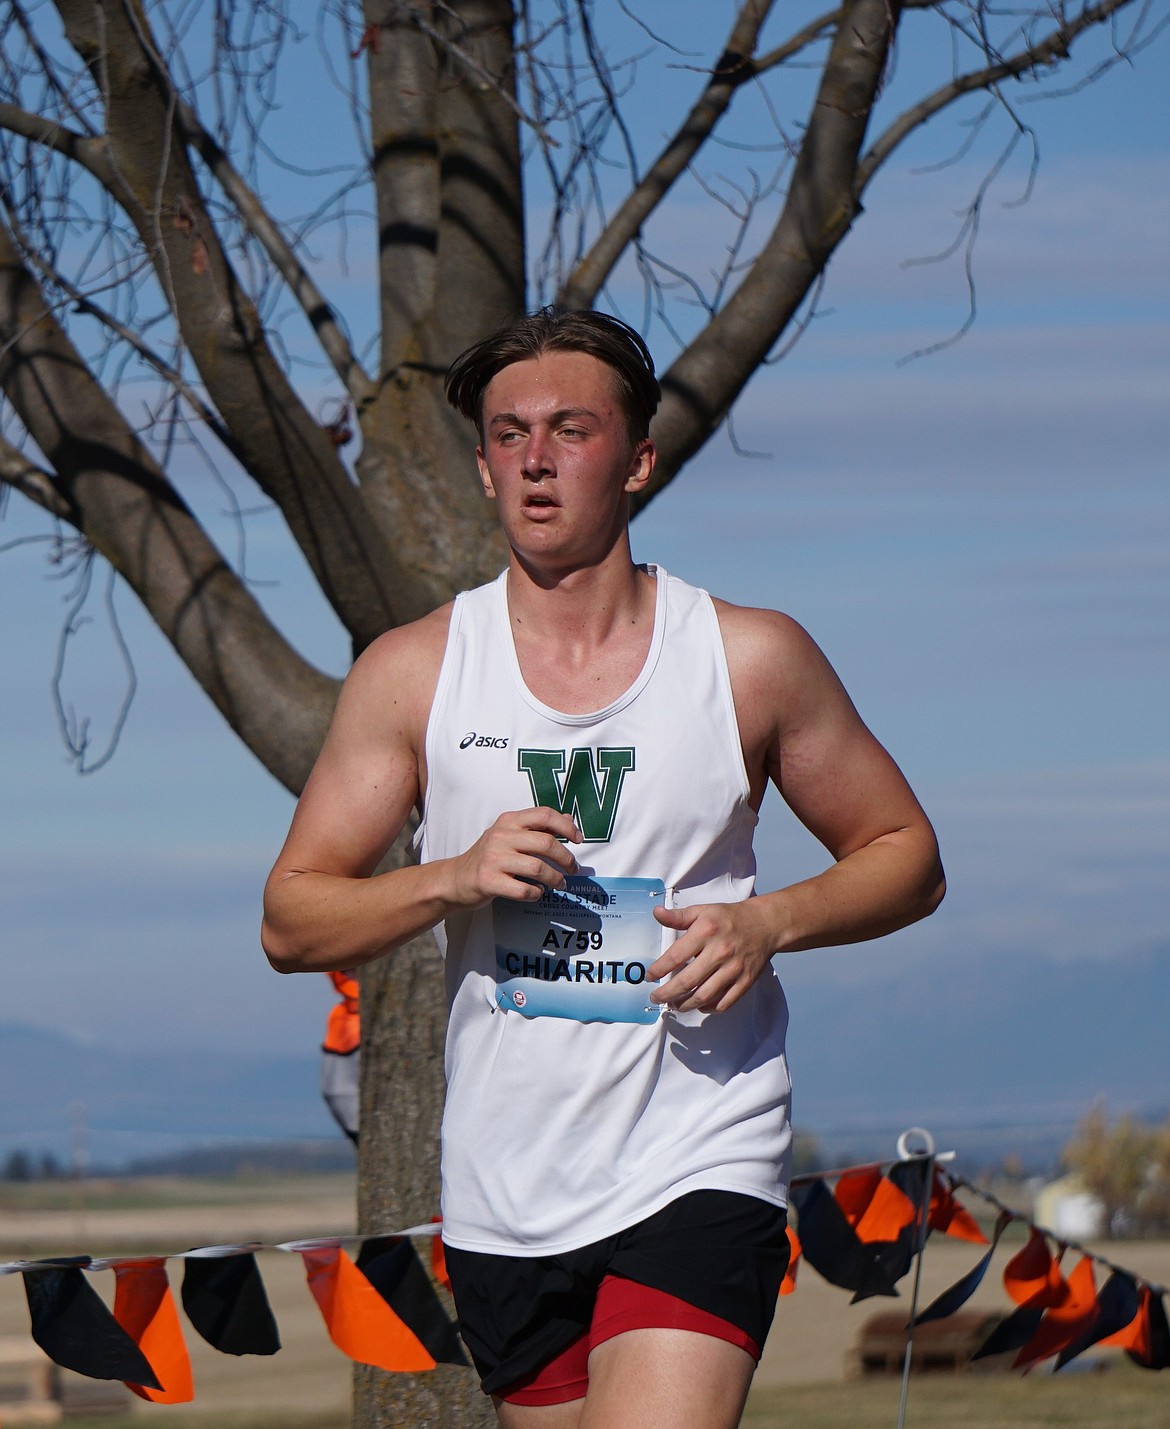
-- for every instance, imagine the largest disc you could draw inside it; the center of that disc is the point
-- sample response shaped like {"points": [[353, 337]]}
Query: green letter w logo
{"points": [[577, 793]]}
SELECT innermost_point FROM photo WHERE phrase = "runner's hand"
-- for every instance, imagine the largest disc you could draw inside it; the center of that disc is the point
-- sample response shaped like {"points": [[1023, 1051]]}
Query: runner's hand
{"points": [[521, 855], [721, 950]]}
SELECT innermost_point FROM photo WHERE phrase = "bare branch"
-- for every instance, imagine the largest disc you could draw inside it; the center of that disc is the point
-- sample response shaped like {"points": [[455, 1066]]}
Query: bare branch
{"points": [[403, 79], [316, 307], [81, 148], [813, 31], [732, 69], [287, 452], [1049, 51], [85, 304], [46, 66], [800, 323], [966, 237], [107, 485], [33, 481], [75, 730], [796, 43], [704, 381]]}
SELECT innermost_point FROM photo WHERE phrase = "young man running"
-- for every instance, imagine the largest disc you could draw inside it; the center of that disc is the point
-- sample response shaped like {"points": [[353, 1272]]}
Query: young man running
{"points": [[587, 742]]}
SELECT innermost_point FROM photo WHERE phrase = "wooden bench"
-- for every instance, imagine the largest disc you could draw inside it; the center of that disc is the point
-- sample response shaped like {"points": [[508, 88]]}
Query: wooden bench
{"points": [[939, 1346], [33, 1390]]}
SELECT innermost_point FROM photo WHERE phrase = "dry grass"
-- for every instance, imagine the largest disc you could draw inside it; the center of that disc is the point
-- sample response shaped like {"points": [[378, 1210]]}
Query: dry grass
{"points": [[286, 1419], [1122, 1396]]}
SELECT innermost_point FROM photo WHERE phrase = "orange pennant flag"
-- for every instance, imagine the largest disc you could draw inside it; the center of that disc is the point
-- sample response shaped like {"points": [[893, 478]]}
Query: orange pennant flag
{"points": [[948, 1216], [1063, 1323], [1134, 1337], [360, 1323], [1032, 1278], [875, 1208], [439, 1257], [343, 1028], [788, 1284], [145, 1308]]}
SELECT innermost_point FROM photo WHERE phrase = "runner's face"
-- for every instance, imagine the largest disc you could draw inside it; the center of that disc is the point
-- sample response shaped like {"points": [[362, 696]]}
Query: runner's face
{"points": [[557, 459]]}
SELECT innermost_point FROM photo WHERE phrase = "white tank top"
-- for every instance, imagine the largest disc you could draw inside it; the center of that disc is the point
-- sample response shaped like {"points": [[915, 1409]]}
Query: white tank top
{"points": [[563, 1127]]}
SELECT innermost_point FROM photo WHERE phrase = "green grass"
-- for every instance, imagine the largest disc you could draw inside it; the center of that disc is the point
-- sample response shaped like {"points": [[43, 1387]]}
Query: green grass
{"points": [[1121, 1396]]}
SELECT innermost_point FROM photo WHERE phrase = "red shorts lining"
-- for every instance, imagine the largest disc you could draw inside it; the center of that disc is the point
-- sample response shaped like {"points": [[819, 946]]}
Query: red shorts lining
{"points": [[621, 1305]]}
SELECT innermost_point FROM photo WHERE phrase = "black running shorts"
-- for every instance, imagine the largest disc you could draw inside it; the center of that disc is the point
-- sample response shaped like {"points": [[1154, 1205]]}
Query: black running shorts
{"points": [[721, 1251]]}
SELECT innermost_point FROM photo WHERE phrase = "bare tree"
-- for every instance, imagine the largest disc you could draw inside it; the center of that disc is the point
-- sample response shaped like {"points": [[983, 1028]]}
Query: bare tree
{"points": [[1126, 1166], [164, 246]]}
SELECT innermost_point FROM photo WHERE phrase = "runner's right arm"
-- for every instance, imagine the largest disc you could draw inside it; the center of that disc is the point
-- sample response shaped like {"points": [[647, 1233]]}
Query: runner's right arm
{"points": [[324, 907]]}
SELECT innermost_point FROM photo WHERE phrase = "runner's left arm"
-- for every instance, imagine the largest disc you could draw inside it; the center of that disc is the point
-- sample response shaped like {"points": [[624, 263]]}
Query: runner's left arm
{"points": [[801, 732]]}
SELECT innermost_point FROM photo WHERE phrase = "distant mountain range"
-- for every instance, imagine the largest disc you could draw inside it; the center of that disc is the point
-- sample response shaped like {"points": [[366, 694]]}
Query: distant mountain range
{"points": [[58, 1095], [1002, 1057], [993, 1057]]}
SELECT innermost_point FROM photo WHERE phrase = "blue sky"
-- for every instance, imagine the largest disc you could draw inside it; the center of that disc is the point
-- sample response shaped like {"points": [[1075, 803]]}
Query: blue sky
{"points": [[978, 539]]}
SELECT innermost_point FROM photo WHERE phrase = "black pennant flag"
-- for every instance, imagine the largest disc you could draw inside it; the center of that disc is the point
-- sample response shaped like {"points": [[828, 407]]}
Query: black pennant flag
{"points": [[910, 1179], [1012, 1333], [827, 1240], [225, 1300], [830, 1246], [1118, 1301], [73, 1325], [887, 1262], [962, 1290], [891, 1260], [959, 1293], [1159, 1355], [393, 1268]]}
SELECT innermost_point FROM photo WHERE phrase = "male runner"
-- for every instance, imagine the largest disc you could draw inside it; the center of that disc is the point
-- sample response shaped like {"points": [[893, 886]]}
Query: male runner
{"points": [[587, 742]]}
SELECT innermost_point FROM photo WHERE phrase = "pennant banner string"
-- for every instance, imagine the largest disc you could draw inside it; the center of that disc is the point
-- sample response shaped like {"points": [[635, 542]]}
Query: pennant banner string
{"points": [[380, 1307], [434, 1228], [209, 1252], [1074, 1245], [806, 1177]]}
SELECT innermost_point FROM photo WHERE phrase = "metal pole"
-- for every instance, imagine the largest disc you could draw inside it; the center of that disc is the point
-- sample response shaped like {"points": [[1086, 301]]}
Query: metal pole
{"points": [[926, 1153]]}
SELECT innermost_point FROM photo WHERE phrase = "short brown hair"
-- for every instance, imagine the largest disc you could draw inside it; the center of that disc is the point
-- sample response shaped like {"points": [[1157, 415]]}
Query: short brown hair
{"points": [[554, 329]]}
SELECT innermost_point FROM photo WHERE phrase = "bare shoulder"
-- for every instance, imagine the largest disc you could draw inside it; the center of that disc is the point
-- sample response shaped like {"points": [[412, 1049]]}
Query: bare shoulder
{"points": [[416, 646], [773, 661], [369, 773], [750, 630], [393, 681], [380, 721]]}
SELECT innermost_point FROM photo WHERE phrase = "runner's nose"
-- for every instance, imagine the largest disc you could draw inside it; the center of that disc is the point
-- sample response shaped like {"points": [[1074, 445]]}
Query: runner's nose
{"points": [[537, 459]]}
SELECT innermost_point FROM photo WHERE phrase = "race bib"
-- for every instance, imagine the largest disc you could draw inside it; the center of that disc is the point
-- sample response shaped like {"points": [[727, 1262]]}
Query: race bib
{"points": [[581, 951]]}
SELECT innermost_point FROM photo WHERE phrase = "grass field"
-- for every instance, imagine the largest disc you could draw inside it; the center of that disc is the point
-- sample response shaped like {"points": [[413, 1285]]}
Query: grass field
{"points": [[1121, 1398], [1117, 1399], [801, 1382]]}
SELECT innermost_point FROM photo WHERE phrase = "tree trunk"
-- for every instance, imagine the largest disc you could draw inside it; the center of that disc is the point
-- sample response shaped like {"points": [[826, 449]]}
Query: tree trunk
{"points": [[451, 268], [404, 1024]]}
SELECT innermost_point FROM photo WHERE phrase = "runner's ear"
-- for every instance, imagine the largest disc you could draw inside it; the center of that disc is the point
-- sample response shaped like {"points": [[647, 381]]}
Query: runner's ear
{"points": [[488, 489], [641, 466]]}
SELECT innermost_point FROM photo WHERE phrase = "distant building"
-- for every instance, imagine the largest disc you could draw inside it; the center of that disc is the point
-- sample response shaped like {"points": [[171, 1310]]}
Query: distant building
{"points": [[1068, 1210]]}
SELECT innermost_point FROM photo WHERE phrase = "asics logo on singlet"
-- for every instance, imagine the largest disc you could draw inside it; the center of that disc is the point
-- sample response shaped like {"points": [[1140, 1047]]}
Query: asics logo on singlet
{"points": [[588, 792], [483, 741]]}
